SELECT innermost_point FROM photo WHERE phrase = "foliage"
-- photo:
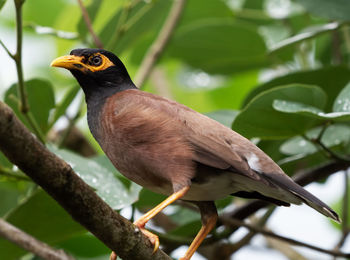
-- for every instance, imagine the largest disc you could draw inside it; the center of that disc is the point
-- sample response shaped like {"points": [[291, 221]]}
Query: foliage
{"points": [[282, 77]]}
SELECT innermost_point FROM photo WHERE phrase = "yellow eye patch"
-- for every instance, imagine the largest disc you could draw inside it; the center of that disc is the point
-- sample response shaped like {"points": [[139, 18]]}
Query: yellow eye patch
{"points": [[104, 63], [95, 62]]}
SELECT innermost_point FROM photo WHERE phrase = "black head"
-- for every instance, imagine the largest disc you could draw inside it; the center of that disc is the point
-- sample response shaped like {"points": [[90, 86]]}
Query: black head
{"points": [[99, 72]]}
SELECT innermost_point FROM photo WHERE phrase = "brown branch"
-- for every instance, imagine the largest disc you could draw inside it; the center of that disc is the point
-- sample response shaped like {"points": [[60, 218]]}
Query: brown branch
{"points": [[237, 223], [285, 249], [225, 250], [30, 244], [159, 44], [58, 179], [88, 23]]}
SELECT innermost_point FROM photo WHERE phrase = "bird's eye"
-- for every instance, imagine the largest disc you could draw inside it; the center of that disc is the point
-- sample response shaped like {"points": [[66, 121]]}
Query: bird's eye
{"points": [[96, 61]]}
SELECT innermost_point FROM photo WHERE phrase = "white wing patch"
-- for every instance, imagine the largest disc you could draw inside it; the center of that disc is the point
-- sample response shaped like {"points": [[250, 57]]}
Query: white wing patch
{"points": [[253, 162]]}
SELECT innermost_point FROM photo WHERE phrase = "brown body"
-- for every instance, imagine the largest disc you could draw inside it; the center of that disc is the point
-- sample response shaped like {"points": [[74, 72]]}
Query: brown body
{"points": [[165, 146]]}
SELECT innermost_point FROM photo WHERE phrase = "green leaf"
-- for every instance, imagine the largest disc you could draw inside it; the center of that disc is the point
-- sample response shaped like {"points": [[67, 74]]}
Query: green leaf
{"points": [[4, 162], [43, 218], [10, 193], [2, 2], [41, 100], [92, 10], [334, 135], [91, 249], [64, 104], [333, 10], [260, 119], [332, 80], [99, 176], [307, 33], [219, 46], [342, 102], [309, 111], [33, 11], [224, 117], [142, 17], [195, 10]]}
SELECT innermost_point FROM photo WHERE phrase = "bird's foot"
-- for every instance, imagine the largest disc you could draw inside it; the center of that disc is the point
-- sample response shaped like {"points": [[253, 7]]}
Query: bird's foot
{"points": [[113, 256], [152, 237]]}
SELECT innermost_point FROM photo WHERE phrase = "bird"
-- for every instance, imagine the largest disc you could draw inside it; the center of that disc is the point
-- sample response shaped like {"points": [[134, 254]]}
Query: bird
{"points": [[173, 150]]}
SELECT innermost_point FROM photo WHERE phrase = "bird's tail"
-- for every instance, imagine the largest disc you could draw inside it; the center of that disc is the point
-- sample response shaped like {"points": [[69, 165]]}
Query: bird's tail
{"points": [[288, 184]]}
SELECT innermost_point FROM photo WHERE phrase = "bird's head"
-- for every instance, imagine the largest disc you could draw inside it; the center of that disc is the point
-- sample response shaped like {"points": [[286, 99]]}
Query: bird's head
{"points": [[95, 69]]}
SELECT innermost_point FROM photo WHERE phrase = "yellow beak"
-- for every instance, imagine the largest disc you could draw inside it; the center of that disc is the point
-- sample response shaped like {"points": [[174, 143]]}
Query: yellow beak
{"points": [[68, 62]]}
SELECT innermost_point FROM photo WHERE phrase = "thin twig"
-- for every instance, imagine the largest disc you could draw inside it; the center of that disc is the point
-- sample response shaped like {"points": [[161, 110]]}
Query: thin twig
{"points": [[224, 251], [30, 244], [17, 57], [12, 174], [88, 23], [237, 223], [159, 44], [7, 50], [285, 249], [120, 28], [24, 106]]}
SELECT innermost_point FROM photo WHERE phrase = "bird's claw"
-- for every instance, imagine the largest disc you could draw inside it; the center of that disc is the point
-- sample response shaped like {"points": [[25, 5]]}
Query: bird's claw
{"points": [[154, 239], [113, 256]]}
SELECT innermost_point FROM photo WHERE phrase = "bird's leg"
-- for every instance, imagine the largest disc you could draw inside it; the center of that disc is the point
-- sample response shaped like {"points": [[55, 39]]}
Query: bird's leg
{"points": [[141, 222], [209, 218]]}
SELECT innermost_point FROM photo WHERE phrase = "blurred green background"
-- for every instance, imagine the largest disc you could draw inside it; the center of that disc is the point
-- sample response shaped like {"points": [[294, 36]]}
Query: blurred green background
{"points": [[276, 71]]}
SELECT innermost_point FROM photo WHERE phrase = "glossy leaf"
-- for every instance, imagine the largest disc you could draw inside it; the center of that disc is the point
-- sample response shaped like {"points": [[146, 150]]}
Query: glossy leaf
{"points": [[260, 119], [333, 10], [307, 33], [101, 178], [219, 46], [309, 111], [342, 102], [43, 218], [334, 135], [331, 80], [41, 100]]}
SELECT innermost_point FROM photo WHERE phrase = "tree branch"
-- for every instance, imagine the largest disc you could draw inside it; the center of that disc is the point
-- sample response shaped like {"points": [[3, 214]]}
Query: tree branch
{"points": [[30, 244], [237, 223], [58, 179], [88, 23], [159, 44]]}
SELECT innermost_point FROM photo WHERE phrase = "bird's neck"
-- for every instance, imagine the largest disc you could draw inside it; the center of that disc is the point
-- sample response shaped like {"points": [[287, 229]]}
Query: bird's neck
{"points": [[95, 100]]}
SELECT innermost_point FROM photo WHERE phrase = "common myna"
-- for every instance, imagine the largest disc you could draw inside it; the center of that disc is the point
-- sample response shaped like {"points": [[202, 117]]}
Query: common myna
{"points": [[173, 150]]}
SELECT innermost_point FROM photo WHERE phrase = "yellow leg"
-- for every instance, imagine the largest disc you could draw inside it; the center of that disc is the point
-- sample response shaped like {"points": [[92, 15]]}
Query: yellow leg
{"points": [[141, 222], [209, 218]]}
